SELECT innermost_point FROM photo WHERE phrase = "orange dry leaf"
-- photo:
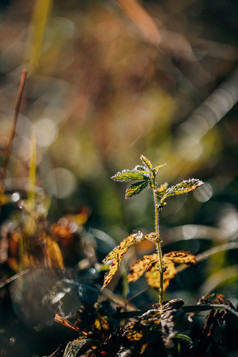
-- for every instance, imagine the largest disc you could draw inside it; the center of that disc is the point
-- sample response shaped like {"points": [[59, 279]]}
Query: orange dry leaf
{"points": [[149, 265], [132, 333], [53, 256], [141, 266], [116, 255], [153, 275], [181, 257], [65, 322]]}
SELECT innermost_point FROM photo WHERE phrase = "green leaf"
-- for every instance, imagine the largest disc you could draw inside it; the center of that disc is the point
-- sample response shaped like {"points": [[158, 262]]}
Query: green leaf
{"points": [[128, 175], [183, 337], [136, 188], [157, 168], [160, 191], [147, 162], [182, 187]]}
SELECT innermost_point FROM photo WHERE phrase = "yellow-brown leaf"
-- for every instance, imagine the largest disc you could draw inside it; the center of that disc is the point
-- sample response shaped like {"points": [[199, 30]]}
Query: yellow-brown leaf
{"points": [[181, 257], [153, 275], [116, 255], [141, 266]]}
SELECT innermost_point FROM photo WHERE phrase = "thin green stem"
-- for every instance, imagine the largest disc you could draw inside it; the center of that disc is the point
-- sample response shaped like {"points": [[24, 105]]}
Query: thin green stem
{"points": [[158, 245]]}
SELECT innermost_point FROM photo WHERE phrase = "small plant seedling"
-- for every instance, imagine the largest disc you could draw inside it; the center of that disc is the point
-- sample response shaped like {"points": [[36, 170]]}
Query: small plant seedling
{"points": [[159, 269]]}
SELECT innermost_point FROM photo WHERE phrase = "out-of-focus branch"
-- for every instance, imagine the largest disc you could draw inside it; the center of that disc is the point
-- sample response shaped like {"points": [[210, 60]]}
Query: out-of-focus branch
{"points": [[13, 128]]}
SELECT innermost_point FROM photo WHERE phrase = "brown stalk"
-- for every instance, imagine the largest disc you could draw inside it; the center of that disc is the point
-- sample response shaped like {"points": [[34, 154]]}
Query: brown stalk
{"points": [[13, 129]]}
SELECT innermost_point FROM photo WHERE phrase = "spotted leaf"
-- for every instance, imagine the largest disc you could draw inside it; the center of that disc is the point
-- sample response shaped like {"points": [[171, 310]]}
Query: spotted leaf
{"points": [[181, 257], [136, 188], [182, 187], [115, 256], [128, 175]]}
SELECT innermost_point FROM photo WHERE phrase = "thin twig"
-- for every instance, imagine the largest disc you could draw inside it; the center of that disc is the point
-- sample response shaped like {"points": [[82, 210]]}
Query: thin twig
{"points": [[13, 128], [205, 255]]}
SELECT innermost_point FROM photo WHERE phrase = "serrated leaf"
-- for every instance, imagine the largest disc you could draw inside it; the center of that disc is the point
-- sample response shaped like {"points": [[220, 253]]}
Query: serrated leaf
{"points": [[181, 257], [182, 187], [140, 168], [160, 191], [146, 162], [128, 175], [157, 168], [151, 236], [136, 188], [116, 255], [148, 265], [141, 266], [153, 275]]}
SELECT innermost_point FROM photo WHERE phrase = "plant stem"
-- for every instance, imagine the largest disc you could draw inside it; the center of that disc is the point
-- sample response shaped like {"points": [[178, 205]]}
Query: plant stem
{"points": [[13, 128], [158, 246]]}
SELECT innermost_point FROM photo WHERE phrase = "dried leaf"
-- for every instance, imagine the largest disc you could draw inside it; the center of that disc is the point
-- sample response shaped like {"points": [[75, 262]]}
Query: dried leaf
{"points": [[151, 236], [153, 275], [133, 335], [63, 321], [146, 162], [101, 323], [116, 255], [141, 266], [181, 257], [182, 187], [149, 265], [136, 188], [128, 175], [53, 255]]}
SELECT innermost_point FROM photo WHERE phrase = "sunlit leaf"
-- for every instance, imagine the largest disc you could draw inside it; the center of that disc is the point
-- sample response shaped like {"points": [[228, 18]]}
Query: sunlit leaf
{"points": [[101, 323], [181, 257], [128, 175], [151, 236], [153, 275], [149, 265], [157, 168], [141, 266], [160, 191], [53, 255], [136, 188], [146, 162], [132, 334], [116, 255], [182, 187]]}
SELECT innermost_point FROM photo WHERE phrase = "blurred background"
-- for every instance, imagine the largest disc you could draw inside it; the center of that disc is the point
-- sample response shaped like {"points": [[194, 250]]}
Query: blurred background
{"points": [[110, 80]]}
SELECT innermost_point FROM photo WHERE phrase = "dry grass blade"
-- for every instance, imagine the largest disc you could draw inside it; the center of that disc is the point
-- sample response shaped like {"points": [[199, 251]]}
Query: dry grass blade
{"points": [[142, 19], [32, 167], [38, 24]]}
